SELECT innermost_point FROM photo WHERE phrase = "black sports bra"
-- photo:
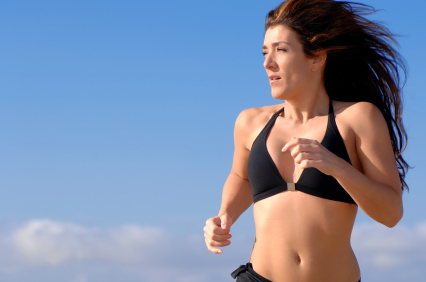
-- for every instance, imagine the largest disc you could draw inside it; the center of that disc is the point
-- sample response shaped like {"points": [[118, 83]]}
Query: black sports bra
{"points": [[266, 181]]}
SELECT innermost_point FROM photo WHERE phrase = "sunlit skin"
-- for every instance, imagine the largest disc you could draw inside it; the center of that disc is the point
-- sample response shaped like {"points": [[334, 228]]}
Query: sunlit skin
{"points": [[300, 237]]}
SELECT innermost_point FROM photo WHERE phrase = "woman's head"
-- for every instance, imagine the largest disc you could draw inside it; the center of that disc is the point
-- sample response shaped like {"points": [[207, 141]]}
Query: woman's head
{"points": [[361, 62], [356, 48], [289, 70]]}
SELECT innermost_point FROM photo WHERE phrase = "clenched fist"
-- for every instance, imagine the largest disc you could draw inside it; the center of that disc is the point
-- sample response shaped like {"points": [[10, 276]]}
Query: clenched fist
{"points": [[216, 233]]}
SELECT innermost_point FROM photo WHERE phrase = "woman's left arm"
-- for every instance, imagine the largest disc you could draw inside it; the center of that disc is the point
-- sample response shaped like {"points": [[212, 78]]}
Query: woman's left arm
{"points": [[377, 189]]}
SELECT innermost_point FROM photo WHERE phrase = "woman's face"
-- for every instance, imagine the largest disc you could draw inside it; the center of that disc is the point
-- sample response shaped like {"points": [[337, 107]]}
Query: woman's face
{"points": [[288, 68]]}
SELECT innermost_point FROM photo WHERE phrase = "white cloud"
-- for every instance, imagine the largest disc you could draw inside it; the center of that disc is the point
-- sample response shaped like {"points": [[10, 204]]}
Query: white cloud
{"points": [[384, 247], [386, 260], [148, 253], [45, 242], [396, 254], [154, 254]]}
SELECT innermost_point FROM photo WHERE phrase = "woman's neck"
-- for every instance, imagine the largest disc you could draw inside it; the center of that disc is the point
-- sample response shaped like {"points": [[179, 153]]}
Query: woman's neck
{"points": [[308, 105]]}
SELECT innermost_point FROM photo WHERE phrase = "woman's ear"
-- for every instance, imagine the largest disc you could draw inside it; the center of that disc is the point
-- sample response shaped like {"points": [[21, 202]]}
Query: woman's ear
{"points": [[319, 61]]}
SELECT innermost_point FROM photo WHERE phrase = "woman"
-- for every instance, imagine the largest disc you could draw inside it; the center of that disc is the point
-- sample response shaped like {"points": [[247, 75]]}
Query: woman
{"points": [[333, 146]]}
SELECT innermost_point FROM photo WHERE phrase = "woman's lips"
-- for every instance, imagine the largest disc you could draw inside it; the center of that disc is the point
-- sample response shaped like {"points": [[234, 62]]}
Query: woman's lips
{"points": [[273, 78]]}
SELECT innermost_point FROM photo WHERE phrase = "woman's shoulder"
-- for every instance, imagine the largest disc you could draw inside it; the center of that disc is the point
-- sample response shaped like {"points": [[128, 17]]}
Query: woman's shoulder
{"points": [[253, 117], [359, 115], [357, 110], [251, 121]]}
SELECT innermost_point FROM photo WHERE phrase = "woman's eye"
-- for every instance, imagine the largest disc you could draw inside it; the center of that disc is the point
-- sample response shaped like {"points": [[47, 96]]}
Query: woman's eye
{"points": [[281, 49], [264, 53]]}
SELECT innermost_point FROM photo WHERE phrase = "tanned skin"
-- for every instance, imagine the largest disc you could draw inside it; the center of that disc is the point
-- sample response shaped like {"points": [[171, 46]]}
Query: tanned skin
{"points": [[300, 237]]}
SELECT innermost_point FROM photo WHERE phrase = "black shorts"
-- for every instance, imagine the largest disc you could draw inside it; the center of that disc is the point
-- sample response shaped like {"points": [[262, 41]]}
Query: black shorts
{"points": [[245, 273]]}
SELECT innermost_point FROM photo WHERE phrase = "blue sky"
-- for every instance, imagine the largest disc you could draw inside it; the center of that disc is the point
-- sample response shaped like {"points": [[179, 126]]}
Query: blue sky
{"points": [[116, 121]]}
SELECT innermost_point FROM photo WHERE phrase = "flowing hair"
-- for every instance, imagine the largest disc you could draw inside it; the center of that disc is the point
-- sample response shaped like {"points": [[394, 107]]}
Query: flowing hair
{"points": [[361, 65]]}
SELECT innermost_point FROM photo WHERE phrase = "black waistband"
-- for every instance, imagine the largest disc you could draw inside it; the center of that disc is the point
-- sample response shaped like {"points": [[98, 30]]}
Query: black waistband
{"points": [[253, 274], [248, 267]]}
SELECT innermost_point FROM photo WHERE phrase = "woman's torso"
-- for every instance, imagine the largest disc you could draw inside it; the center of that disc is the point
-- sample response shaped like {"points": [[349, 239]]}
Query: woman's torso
{"points": [[300, 237]]}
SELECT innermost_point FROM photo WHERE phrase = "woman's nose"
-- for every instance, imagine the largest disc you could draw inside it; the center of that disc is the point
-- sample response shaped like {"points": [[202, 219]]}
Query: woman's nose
{"points": [[269, 62]]}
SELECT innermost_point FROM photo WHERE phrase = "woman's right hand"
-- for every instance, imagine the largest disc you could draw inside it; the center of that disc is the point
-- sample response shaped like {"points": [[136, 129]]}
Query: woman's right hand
{"points": [[216, 233]]}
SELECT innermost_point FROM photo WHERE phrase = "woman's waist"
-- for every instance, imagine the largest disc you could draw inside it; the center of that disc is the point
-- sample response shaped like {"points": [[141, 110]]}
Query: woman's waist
{"points": [[278, 260], [312, 241], [303, 245]]}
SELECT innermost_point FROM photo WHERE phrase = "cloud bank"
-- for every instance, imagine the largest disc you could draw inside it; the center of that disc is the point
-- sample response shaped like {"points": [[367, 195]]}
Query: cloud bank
{"points": [[49, 243], [154, 254], [399, 254]]}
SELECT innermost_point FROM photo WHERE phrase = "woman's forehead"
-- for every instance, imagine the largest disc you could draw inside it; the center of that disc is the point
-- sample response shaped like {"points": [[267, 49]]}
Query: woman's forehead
{"points": [[280, 34]]}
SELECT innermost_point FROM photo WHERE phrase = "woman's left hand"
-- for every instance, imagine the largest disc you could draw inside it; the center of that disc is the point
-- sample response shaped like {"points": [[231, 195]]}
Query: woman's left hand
{"points": [[311, 153]]}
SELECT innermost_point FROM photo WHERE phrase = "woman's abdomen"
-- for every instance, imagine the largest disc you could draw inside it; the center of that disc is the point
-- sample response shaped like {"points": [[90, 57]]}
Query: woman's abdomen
{"points": [[304, 238]]}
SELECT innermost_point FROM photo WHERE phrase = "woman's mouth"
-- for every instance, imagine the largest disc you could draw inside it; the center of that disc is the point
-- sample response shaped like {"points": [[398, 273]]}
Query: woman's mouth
{"points": [[273, 78]]}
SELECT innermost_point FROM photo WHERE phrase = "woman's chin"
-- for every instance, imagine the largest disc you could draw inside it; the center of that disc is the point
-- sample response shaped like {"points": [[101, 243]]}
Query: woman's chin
{"points": [[278, 95]]}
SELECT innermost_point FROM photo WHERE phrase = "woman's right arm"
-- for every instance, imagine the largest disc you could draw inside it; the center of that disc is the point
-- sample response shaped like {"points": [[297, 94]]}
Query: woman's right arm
{"points": [[237, 196]]}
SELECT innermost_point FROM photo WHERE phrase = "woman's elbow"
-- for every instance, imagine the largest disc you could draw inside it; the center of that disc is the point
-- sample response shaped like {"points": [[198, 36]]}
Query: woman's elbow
{"points": [[392, 221]]}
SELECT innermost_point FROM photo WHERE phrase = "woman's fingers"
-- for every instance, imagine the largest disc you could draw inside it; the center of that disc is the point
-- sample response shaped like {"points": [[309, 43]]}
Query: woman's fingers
{"points": [[296, 141], [214, 249], [225, 221], [305, 156], [214, 244], [311, 153], [216, 233], [214, 228], [300, 144], [297, 149], [301, 148], [218, 238]]}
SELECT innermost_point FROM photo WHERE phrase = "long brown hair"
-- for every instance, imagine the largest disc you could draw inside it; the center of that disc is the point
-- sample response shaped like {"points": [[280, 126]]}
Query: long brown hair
{"points": [[362, 64]]}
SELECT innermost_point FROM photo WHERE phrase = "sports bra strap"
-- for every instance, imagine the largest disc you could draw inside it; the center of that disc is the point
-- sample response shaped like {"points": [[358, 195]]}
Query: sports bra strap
{"points": [[330, 108], [272, 120]]}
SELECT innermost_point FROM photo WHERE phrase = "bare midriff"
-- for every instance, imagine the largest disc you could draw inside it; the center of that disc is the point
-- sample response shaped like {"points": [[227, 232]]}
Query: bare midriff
{"points": [[303, 238]]}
